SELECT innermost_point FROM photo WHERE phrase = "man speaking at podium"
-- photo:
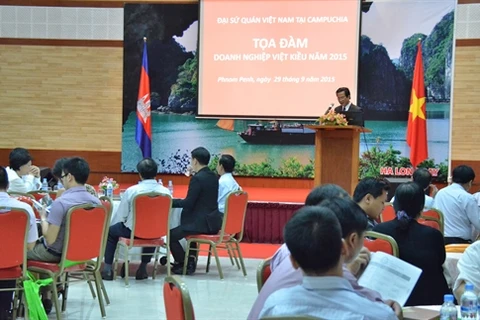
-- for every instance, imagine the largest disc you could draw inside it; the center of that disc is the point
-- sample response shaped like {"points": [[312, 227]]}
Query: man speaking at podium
{"points": [[343, 96]]}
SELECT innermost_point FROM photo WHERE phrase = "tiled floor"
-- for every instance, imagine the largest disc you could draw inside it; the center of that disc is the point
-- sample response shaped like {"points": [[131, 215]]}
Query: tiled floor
{"points": [[212, 298]]}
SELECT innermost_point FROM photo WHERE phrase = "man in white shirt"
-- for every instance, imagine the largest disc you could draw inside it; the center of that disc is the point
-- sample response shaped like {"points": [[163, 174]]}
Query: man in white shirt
{"points": [[32, 236], [147, 169], [314, 238], [459, 208], [468, 270], [22, 176], [423, 178], [226, 183]]}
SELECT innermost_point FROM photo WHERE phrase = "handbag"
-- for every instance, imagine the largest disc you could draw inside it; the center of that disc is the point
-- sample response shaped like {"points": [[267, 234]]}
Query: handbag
{"points": [[31, 287]]}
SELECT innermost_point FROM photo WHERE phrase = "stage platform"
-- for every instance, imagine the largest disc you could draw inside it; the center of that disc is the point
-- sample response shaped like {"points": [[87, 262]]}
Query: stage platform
{"points": [[268, 210]]}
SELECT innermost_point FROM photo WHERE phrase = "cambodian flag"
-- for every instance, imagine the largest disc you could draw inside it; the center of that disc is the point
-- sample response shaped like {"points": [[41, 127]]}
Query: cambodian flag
{"points": [[143, 134]]}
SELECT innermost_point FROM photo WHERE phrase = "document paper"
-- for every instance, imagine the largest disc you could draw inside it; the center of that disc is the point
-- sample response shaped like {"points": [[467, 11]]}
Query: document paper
{"points": [[393, 278]]}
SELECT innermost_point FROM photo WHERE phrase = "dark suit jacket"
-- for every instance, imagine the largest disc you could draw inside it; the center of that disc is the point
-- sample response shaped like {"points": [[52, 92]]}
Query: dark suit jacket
{"points": [[423, 247], [352, 108], [201, 201]]}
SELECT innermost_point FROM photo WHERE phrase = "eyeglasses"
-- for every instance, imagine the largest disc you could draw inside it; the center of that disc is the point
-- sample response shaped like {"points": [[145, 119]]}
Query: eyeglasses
{"points": [[66, 174]]}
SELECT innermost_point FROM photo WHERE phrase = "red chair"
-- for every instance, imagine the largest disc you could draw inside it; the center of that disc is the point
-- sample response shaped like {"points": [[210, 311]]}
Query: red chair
{"points": [[151, 222], [233, 223], [263, 272], [178, 304], [388, 213], [375, 241], [29, 201], [430, 222], [434, 214], [39, 194], [86, 230], [14, 225], [107, 203]]}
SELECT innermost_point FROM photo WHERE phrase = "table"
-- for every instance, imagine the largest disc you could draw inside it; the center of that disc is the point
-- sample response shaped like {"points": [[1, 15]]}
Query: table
{"points": [[450, 269], [175, 215], [409, 312]]}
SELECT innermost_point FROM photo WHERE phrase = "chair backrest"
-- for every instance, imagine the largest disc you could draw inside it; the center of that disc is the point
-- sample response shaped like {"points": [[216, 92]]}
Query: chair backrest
{"points": [[178, 304], [29, 201], [456, 248], [430, 222], [107, 203], [435, 214], [388, 213], [151, 214], [14, 225], [86, 230], [263, 272], [375, 241], [16, 194], [39, 194], [235, 211]]}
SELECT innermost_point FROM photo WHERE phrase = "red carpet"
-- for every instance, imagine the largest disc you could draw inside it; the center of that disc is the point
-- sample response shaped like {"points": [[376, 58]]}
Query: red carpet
{"points": [[249, 250]]}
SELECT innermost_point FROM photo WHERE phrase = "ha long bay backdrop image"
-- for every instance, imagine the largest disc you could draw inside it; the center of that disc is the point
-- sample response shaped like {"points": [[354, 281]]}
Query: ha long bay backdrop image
{"points": [[387, 57]]}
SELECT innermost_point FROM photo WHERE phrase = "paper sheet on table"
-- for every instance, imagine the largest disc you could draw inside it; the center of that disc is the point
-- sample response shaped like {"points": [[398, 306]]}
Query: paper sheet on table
{"points": [[391, 277]]}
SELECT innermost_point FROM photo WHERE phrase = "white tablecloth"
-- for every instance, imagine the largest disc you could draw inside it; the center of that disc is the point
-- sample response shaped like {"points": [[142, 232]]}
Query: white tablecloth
{"points": [[450, 267], [175, 215]]}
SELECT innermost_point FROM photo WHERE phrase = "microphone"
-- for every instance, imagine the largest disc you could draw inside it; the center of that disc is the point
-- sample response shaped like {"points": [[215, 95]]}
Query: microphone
{"points": [[329, 108]]}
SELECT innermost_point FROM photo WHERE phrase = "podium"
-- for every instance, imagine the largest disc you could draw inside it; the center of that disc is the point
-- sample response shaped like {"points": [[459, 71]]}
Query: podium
{"points": [[337, 152]]}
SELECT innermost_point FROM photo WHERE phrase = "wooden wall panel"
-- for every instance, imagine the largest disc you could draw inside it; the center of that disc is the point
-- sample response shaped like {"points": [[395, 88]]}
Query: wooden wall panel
{"points": [[108, 163], [64, 98], [466, 113], [88, 3], [59, 98]]}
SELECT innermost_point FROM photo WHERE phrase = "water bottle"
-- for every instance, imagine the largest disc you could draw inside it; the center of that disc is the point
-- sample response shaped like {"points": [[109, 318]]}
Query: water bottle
{"points": [[468, 303], [160, 182], [110, 190], [170, 187], [448, 310], [59, 185], [44, 184]]}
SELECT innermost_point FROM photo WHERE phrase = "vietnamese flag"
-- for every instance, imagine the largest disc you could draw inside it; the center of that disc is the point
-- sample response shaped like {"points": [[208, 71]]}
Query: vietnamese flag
{"points": [[417, 121], [143, 133]]}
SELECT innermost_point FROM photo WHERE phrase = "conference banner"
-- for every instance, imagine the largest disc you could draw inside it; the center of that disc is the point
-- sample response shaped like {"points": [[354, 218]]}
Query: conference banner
{"points": [[244, 77]]}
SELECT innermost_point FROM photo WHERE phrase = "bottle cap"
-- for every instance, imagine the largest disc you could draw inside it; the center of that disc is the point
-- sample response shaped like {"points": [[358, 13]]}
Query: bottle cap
{"points": [[469, 286], [448, 298]]}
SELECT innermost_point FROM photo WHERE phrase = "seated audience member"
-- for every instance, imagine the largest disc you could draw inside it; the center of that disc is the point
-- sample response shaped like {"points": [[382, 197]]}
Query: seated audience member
{"points": [[147, 170], [314, 237], [49, 248], [226, 183], [419, 245], [423, 178], [200, 213], [314, 198], [468, 270], [32, 236], [459, 208], [353, 222], [371, 194], [57, 173], [22, 175]]}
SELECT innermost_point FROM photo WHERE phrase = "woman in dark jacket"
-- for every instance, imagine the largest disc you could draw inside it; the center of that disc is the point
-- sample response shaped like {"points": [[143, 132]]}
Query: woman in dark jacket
{"points": [[419, 245]]}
